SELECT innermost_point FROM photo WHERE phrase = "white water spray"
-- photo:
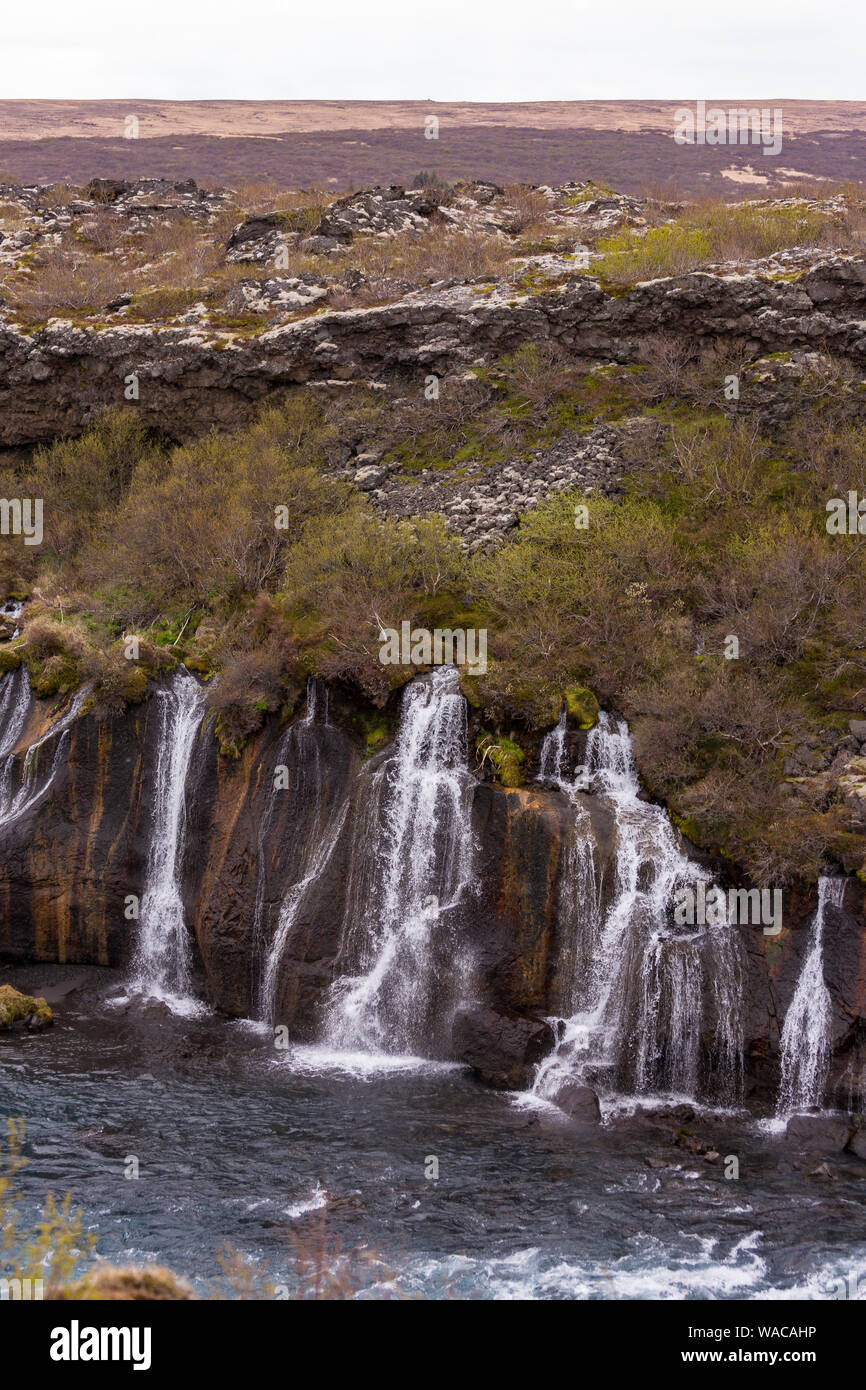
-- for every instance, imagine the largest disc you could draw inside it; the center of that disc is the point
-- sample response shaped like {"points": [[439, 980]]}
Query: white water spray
{"points": [[632, 984], [161, 965], [396, 935], [14, 707], [32, 787], [806, 1032]]}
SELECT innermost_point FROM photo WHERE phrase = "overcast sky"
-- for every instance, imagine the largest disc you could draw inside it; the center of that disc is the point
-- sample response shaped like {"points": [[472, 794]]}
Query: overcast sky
{"points": [[444, 50]]}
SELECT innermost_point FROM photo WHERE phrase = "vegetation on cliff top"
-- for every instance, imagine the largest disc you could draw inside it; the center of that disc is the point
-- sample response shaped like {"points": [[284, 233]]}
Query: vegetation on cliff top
{"points": [[251, 558]]}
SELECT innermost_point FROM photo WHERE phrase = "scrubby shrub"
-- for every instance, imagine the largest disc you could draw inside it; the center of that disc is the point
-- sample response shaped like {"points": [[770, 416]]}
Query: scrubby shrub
{"points": [[68, 279], [343, 587]]}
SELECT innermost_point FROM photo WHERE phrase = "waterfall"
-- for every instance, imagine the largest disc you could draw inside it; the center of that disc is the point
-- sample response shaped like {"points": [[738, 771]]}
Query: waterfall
{"points": [[11, 611], [161, 964], [552, 763], [415, 847], [14, 707], [806, 1032], [31, 787], [631, 984]]}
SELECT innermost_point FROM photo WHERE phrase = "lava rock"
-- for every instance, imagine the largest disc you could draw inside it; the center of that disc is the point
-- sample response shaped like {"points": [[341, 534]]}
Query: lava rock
{"points": [[502, 1049], [818, 1133], [857, 1144], [578, 1101]]}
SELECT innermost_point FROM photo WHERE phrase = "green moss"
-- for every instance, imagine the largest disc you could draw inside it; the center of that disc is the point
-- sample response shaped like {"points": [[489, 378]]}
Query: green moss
{"points": [[581, 705], [10, 658], [231, 745], [16, 1007], [56, 676], [200, 665], [505, 757]]}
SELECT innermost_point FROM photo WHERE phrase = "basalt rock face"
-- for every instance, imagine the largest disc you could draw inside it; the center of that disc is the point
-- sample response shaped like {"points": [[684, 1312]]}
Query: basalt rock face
{"points": [[292, 822], [68, 860], [73, 858], [58, 380]]}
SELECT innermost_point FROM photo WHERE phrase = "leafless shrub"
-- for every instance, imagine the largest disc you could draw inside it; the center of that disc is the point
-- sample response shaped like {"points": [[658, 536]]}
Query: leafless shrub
{"points": [[528, 205], [71, 279]]}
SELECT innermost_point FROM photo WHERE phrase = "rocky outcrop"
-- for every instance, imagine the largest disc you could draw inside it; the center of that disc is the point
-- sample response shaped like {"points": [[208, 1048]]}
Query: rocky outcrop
{"points": [[59, 379], [818, 1133], [18, 1008], [502, 1049]]}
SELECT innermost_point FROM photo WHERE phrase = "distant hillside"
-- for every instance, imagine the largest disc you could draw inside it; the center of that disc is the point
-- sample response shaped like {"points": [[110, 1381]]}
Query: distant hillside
{"points": [[356, 144]]}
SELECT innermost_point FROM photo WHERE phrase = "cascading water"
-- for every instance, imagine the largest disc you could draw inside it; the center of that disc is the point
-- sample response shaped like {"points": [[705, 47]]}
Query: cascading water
{"points": [[631, 985], [806, 1032], [161, 964], [31, 788], [552, 765], [14, 707], [416, 849]]}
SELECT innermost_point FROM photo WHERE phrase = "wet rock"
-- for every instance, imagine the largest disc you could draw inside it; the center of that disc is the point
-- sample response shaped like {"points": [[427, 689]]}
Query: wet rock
{"points": [[822, 1171], [16, 1008], [501, 1049], [818, 1133], [580, 1102], [857, 1144]]}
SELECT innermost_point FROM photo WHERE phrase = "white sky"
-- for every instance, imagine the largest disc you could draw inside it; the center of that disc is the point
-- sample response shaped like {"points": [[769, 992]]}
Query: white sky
{"points": [[442, 50]]}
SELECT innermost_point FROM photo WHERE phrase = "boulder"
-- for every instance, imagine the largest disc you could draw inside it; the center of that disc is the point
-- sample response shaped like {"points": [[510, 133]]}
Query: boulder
{"points": [[825, 1134], [578, 1101], [106, 190], [16, 1008], [502, 1049], [857, 1144]]}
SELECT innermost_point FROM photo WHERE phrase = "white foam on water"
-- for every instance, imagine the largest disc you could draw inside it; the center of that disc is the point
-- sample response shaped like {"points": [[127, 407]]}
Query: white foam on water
{"points": [[652, 1272], [361, 1065], [317, 1199]]}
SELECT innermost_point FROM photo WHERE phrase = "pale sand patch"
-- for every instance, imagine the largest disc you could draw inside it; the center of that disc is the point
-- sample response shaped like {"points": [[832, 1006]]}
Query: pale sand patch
{"points": [[745, 175]]}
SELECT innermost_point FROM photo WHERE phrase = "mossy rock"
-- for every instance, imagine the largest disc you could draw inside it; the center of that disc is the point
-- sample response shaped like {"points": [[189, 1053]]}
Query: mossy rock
{"points": [[505, 757], [374, 728], [56, 676], [200, 665], [10, 659], [689, 827], [376, 738], [582, 706], [470, 690], [152, 1284], [23, 1008]]}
